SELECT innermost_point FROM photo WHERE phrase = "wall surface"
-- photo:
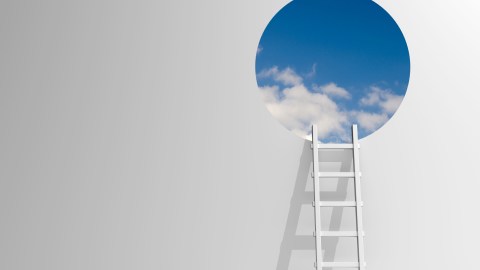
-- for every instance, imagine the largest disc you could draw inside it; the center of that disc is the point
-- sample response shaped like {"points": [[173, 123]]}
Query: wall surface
{"points": [[133, 137]]}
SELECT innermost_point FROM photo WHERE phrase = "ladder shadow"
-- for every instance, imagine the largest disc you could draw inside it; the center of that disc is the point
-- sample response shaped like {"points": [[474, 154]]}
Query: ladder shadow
{"points": [[291, 241]]}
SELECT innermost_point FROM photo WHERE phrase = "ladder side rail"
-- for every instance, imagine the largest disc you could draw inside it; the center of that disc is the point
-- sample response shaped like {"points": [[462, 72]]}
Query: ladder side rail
{"points": [[358, 198], [316, 188]]}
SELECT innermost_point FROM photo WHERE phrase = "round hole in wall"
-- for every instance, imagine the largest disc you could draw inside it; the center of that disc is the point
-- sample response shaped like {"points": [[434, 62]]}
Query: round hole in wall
{"points": [[332, 63]]}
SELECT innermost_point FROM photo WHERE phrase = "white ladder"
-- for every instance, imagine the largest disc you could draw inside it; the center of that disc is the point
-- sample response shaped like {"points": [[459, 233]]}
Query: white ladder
{"points": [[318, 204]]}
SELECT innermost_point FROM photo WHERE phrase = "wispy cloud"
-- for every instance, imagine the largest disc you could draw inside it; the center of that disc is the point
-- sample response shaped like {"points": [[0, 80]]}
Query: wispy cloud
{"points": [[370, 121], [287, 76], [313, 72], [383, 101], [259, 49], [333, 90], [383, 98]]}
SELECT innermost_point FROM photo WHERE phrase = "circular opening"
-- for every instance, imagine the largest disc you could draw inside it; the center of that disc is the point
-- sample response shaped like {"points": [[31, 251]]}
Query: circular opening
{"points": [[332, 63]]}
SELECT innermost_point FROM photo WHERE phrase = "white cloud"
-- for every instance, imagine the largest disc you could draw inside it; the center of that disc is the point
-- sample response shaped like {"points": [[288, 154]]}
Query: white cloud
{"points": [[286, 76], [370, 121], [391, 103], [372, 98], [297, 109], [386, 100], [333, 90]]}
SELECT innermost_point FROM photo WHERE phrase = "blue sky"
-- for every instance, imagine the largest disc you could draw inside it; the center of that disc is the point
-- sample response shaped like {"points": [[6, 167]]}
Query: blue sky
{"points": [[342, 61]]}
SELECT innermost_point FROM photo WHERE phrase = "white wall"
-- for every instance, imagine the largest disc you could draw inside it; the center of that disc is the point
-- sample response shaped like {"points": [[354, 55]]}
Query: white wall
{"points": [[133, 137]]}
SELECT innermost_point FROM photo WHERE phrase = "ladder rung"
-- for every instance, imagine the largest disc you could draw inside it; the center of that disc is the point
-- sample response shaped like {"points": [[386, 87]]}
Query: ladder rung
{"points": [[335, 146], [340, 264], [338, 203], [339, 233], [336, 174]]}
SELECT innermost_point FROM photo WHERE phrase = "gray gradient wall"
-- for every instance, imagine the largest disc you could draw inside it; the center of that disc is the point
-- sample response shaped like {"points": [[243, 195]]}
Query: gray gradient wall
{"points": [[133, 137]]}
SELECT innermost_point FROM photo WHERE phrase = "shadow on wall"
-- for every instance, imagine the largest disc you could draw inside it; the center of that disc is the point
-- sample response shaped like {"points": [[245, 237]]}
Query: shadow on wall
{"points": [[304, 245]]}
